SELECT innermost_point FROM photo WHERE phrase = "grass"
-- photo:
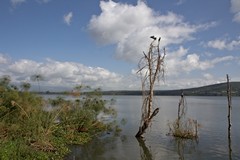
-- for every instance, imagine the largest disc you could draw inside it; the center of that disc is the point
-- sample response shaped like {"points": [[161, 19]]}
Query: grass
{"points": [[27, 131], [186, 129]]}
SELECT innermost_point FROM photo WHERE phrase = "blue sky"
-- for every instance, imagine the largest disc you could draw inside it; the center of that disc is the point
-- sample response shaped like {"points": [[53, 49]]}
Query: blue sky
{"points": [[99, 43]]}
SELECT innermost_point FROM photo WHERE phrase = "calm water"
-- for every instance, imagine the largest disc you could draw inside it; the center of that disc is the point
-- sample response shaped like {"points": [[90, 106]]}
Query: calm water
{"points": [[211, 113]]}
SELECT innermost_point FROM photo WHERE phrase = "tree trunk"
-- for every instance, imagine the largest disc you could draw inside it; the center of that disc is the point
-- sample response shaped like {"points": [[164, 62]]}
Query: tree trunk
{"points": [[146, 123], [229, 97], [153, 63]]}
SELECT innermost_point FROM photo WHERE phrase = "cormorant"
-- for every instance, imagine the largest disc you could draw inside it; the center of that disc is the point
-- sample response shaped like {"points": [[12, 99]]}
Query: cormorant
{"points": [[153, 37]]}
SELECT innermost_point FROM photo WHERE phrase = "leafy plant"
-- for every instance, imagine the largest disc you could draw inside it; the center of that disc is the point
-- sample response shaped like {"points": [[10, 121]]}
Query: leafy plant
{"points": [[27, 131]]}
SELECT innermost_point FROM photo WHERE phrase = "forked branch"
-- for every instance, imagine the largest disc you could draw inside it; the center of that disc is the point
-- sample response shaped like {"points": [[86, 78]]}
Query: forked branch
{"points": [[151, 67]]}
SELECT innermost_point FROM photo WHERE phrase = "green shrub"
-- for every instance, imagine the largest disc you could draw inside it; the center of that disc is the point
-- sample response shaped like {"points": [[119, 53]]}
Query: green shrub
{"points": [[27, 131]]}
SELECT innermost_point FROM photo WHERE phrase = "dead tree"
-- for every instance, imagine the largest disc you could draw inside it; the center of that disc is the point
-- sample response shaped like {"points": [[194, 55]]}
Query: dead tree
{"points": [[183, 127], [229, 97], [151, 68], [181, 110]]}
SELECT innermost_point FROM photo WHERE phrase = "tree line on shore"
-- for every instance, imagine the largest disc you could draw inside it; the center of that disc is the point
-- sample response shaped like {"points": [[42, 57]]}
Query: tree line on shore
{"points": [[210, 90]]}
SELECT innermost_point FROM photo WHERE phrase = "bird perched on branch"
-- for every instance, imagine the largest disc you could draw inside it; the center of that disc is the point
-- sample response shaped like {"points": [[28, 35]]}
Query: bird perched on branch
{"points": [[153, 37]]}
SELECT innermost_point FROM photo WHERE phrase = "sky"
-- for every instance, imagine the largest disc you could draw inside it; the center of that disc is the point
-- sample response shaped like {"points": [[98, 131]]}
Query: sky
{"points": [[99, 43]]}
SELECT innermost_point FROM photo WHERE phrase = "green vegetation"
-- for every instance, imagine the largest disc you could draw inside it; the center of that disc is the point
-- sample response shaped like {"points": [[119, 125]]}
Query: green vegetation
{"points": [[29, 131]]}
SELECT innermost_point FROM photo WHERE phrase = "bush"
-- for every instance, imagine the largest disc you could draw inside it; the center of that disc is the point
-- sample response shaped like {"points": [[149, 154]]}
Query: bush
{"points": [[27, 131]]}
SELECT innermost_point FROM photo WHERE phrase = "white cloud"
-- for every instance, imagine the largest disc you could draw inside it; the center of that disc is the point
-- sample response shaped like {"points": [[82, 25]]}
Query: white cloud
{"points": [[3, 59], [236, 17], [67, 18], [43, 1], [222, 44], [218, 44], [129, 27], [3, 62], [180, 2], [59, 74], [190, 82], [208, 76], [180, 62], [235, 8], [69, 74], [118, 20], [17, 2]]}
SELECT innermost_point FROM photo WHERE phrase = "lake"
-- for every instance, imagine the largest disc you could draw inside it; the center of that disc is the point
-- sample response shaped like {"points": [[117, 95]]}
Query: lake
{"points": [[212, 144]]}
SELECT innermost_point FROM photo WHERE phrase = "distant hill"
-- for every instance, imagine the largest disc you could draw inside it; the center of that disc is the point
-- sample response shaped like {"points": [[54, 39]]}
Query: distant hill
{"points": [[219, 89]]}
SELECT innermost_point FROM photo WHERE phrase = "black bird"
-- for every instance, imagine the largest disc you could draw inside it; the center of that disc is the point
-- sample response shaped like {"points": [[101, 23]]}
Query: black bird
{"points": [[153, 37]]}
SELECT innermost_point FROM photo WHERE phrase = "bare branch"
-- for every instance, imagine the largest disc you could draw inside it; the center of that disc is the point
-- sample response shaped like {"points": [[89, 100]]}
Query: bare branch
{"points": [[153, 62]]}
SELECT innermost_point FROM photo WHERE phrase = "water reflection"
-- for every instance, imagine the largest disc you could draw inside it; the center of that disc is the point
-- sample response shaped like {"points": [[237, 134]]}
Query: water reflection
{"points": [[185, 147], [229, 145], [144, 150], [96, 149], [213, 143], [180, 148]]}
